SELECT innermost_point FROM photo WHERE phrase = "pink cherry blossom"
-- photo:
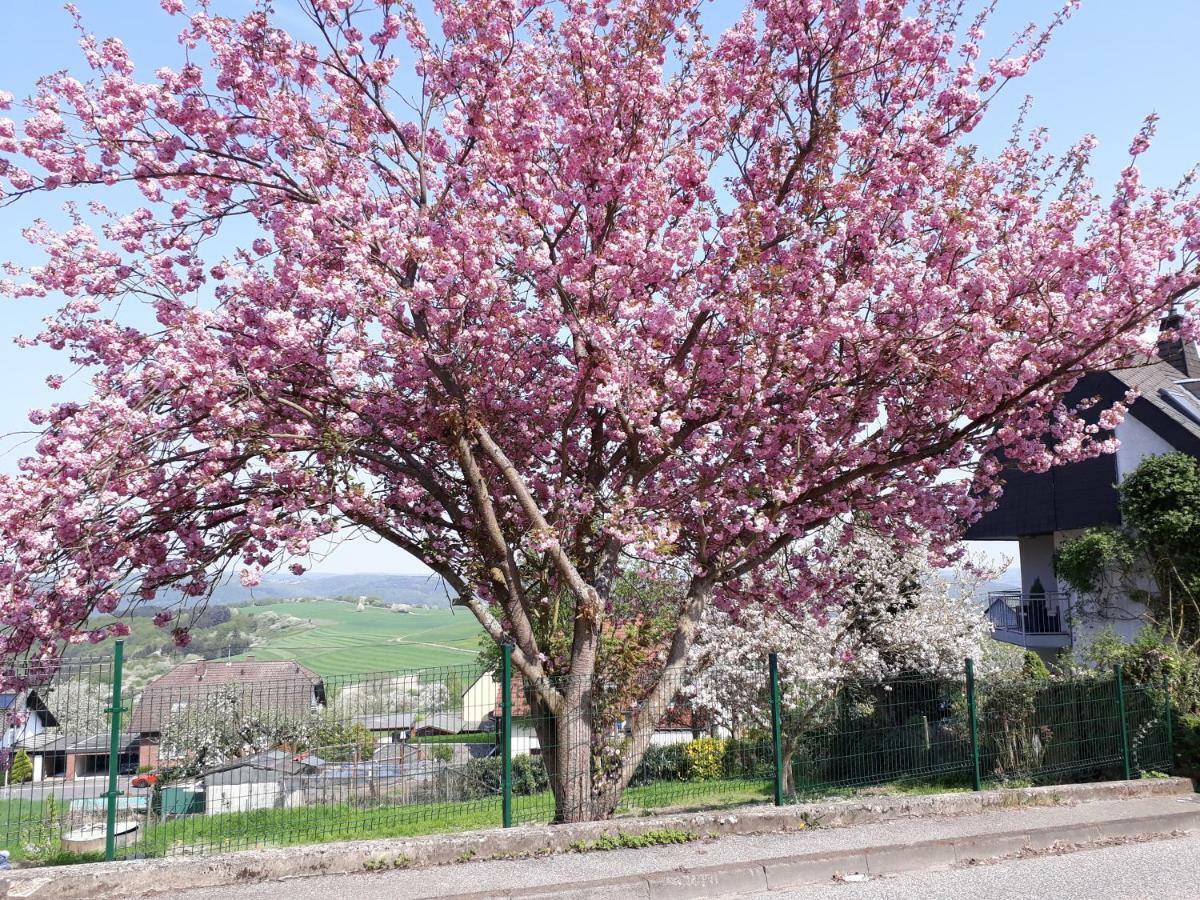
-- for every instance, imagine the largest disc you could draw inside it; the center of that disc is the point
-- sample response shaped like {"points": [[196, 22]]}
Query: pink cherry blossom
{"points": [[538, 291]]}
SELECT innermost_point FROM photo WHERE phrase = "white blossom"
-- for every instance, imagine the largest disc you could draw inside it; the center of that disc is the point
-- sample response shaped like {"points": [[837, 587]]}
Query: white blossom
{"points": [[891, 614]]}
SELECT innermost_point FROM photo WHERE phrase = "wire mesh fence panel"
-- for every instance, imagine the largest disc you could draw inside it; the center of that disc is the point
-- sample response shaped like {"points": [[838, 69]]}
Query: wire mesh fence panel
{"points": [[249, 754], [55, 752], [855, 734], [1040, 730], [1148, 709], [213, 756], [611, 750]]}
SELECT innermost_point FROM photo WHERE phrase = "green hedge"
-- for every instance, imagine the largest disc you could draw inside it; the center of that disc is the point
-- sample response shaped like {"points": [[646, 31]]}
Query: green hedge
{"points": [[482, 777], [470, 737]]}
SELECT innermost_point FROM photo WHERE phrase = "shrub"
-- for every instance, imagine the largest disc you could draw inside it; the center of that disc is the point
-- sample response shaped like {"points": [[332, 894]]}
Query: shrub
{"points": [[1187, 745], [529, 775], [1033, 667], [662, 762], [22, 768], [483, 777], [340, 741], [1149, 659], [705, 758], [749, 757]]}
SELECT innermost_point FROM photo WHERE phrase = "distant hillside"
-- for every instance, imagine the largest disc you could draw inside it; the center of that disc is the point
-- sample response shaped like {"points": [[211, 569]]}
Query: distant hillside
{"points": [[415, 590]]}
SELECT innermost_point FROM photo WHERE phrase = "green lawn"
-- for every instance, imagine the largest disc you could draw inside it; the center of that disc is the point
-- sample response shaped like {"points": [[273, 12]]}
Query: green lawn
{"points": [[338, 639], [318, 824]]}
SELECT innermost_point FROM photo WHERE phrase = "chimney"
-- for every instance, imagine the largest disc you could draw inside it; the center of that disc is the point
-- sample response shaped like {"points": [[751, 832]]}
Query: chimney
{"points": [[1171, 349]]}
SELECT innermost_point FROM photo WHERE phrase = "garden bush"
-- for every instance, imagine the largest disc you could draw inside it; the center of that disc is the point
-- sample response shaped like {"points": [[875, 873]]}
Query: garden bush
{"points": [[479, 778], [1187, 745], [705, 758], [22, 768], [662, 762], [749, 757]]}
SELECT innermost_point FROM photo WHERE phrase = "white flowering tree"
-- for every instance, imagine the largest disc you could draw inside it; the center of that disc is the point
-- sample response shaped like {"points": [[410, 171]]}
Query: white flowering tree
{"points": [[889, 613], [392, 694], [223, 725]]}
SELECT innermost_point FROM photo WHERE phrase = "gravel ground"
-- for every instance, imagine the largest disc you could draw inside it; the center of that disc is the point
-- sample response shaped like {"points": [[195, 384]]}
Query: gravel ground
{"points": [[480, 876], [1157, 870]]}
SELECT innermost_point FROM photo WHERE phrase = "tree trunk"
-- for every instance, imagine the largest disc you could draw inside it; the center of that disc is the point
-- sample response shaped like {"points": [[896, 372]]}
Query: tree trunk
{"points": [[566, 742]]}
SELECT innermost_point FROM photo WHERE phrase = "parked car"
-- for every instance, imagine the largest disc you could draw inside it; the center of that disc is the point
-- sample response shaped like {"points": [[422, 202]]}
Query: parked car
{"points": [[144, 780]]}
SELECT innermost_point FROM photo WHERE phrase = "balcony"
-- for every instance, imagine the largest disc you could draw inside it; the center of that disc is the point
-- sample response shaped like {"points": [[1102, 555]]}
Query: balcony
{"points": [[1038, 621]]}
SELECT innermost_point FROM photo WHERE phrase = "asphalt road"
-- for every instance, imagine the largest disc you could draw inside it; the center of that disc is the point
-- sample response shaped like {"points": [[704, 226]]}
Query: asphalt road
{"points": [[92, 786], [1158, 870]]}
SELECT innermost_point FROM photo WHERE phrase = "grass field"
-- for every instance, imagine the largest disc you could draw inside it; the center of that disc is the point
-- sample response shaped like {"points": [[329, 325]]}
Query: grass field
{"points": [[338, 639], [317, 824]]}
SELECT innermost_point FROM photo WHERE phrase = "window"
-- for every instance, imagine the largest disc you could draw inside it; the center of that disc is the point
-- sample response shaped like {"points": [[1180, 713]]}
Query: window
{"points": [[1185, 397]]}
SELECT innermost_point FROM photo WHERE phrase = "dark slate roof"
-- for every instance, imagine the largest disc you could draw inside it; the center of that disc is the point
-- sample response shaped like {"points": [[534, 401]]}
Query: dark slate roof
{"points": [[21, 701], [52, 742], [266, 766], [1084, 494], [278, 685], [444, 722], [386, 721], [1155, 382]]}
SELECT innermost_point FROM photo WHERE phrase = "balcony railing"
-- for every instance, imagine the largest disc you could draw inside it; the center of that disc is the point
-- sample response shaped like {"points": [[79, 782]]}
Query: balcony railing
{"points": [[1047, 612]]}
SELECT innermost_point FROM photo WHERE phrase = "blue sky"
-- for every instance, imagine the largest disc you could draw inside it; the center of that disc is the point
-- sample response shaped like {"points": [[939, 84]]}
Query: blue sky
{"points": [[1111, 65]]}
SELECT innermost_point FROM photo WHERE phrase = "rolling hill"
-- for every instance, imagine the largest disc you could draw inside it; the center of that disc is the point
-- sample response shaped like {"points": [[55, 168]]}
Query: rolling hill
{"points": [[334, 637], [415, 590]]}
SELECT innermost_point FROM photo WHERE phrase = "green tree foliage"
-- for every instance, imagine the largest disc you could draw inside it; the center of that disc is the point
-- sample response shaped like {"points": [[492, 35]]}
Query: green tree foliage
{"points": [[1154, 557], [22, 768], [1034, 668], [336, 740], [1150, 659]]}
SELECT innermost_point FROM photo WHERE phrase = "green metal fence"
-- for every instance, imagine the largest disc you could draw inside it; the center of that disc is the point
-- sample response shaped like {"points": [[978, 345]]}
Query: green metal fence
{"points": [[223, 755]]}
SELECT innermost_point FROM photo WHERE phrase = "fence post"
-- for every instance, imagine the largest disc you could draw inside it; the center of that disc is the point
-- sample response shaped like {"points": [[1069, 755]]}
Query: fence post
{"points": [[776, 726], [1170, 725], [1125, 759], [973, 716], [506, 737], [114, 754]]}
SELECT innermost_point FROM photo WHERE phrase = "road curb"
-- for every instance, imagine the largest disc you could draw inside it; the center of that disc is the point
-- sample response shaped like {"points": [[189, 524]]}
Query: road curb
{"points": [[97, 881], [789, 872]]}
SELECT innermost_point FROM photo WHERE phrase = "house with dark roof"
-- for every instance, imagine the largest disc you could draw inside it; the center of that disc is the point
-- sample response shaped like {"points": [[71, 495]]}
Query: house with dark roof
{"points": [[24, 715], [1041, 511], [278, 686], [71, 756]]}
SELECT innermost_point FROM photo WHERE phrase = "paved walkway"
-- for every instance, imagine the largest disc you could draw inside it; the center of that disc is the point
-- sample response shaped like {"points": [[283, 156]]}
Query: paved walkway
{"points": [[548, 872]]}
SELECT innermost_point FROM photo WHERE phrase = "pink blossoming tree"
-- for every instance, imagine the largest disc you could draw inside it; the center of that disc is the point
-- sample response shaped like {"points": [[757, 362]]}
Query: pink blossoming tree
{"points": [[541, 291]]}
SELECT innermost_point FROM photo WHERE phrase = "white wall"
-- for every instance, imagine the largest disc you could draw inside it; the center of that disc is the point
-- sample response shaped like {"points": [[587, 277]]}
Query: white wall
{"points": [[674, 736], [240, 797], [1137, 442], [478, 700], [524, 743], [1037, 561], [1122, 616], [31, 727]]}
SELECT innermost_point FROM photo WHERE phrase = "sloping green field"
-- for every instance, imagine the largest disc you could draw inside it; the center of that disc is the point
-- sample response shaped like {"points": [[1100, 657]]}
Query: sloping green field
{"points": [[335, 638]]}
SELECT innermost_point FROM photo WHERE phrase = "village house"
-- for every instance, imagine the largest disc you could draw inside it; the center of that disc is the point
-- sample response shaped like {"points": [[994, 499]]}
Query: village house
{"points": [[25, 716], [1041, 511], [285, 687]]}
